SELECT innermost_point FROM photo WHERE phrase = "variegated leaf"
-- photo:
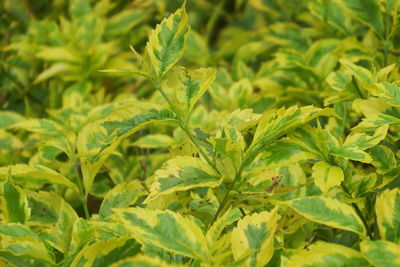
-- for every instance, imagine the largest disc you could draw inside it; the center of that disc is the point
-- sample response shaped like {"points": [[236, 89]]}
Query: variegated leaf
{"points": [[181, 174], [14, 202], [165, 229], [322, 254], [167, 42], [255, 233], [121, 196], [327, 176], [328, 211], [381, 253], [104, 253], [23, 173], [387, 208]]}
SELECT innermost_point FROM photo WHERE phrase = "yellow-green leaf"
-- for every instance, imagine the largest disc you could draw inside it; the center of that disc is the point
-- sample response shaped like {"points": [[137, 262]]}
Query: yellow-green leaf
{"points": [[328, 211], [167, 42], [14, 202], [121, 196], [387, 208], [142, 261], [322, 254], [181, 174], [326, 176], [35, 174], [366, 11], [8, 118], [104, 253], [381, 253], [165, 229], [18, 242], [154, 141], [256, 233]]}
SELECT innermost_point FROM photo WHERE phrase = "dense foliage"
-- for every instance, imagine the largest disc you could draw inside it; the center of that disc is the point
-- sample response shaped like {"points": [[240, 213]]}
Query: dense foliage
{"points": [[232, 133]]}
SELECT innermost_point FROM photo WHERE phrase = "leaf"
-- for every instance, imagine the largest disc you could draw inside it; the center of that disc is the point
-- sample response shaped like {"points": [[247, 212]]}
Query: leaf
{"points": [[322, 254], [35, 173], [154, 141], [283, 153], [338, 80], [97, 140], [388, 92], [189, 86], [121, 196], [355, 144], [283, 121], [167, 42], [362, 74], [256, 233], [327, 176], [387, 208], [104, 253], [215, 230], [14, 202], [366, 11], [328, 211], [41, 126], [53, 70], [8, 118], [141, 261], [19, 242], [54, 216], [165, 229], [381, 253], [182, 174]]}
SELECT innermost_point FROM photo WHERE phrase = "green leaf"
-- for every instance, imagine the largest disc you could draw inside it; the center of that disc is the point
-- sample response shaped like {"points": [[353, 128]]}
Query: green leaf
{"points": [[328, 211], [8, 118], [362, 74], [34, 173], [189, 86], [19, 242], [165, 229], [142, 261], [14, 202], [255, 233], [327, 176], [381, 253], [154, 141], [355, 144], [121, 196], [54, 216], [97, 140], [104, 253], [283, 153], [366, 11], [387, 208], [283, 121], [41, 126], [215, 230], [322, 254], [167, 43], [182, 174]]}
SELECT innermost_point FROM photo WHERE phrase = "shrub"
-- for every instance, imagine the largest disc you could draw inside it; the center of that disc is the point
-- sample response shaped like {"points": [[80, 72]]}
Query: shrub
{"points": [[283, 153]]}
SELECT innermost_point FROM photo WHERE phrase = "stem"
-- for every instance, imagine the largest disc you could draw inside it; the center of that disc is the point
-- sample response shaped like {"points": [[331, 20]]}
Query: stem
{"points": [[358, 211], [80, 184], [183, 125], [226, 196]]}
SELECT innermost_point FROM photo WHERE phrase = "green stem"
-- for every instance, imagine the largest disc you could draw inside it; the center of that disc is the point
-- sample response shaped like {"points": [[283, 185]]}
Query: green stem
{"points": [[358, 211], [183, 125], [226, 196], [80, 183]]}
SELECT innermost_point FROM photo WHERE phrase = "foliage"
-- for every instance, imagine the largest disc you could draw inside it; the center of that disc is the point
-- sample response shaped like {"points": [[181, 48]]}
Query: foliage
{"points": [[234, 133]]}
